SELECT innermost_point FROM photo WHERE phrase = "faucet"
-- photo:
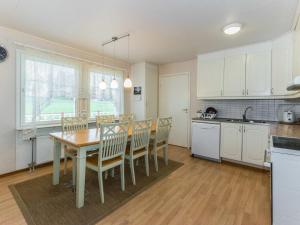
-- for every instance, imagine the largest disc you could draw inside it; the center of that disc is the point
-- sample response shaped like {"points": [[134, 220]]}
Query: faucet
{"points": [[245, 113]]}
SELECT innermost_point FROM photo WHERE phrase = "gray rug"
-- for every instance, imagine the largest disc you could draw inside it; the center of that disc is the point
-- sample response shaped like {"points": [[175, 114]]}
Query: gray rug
{"points": [[44, 204]]}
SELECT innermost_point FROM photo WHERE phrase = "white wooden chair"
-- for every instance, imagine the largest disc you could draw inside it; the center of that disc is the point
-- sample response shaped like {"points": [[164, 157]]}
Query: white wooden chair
{"points": [[139, 146], [71, 124], [160, 139], [126, 117], [102, 119], [113, 140]]}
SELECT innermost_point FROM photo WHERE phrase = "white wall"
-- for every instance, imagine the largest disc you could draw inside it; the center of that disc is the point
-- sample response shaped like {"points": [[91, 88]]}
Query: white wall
{"points": [[189, 66], [138, 79], [8, 38]]}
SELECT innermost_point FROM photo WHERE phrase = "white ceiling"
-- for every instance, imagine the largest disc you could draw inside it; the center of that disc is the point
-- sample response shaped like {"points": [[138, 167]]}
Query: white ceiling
{"points": [[161, 30]]}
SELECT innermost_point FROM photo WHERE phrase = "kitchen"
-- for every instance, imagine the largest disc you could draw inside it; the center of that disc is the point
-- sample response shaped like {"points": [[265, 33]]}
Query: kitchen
{"points": [[249, 115], [200, 102]]}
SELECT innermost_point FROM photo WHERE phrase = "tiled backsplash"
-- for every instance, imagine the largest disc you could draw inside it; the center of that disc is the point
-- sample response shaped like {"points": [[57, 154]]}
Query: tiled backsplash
{"points": [[270, 110]]}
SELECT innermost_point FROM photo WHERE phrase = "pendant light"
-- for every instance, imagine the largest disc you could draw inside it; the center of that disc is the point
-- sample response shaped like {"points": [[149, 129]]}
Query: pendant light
{"points": [[102, 84], [127, 81], [114, 83]]}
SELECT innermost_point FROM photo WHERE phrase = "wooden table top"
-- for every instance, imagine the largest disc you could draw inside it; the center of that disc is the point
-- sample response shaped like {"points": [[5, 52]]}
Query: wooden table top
{"points": [[84, 137]]}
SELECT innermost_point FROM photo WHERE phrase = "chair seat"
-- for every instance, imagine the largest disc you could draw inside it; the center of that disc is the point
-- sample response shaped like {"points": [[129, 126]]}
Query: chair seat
{"points": [[70, 151], [94, 160], [73, 152], [135, 152]]}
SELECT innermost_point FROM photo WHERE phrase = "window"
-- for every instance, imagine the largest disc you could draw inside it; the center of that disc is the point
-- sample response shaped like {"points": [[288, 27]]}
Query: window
{"points": [[49, 85], [108, 101], [48, 89]]}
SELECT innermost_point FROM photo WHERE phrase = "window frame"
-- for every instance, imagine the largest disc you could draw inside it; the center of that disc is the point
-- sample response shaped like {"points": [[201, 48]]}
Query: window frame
{"points": [[97, 69], [83, 83]]}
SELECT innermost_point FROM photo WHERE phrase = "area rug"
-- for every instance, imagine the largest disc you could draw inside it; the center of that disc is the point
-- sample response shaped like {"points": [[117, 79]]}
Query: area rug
{"points": [[44, 204]]}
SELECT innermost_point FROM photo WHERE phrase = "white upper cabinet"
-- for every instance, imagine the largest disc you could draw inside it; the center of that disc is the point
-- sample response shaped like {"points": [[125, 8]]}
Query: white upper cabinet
{"points": [[258, 71], [234, 75], [261, 70], [282, 64], [210, 75], [255, 142]]}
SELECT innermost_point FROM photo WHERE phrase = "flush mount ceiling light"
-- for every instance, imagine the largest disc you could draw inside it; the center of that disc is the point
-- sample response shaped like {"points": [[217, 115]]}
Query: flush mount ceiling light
{"points": [[233, 28]]}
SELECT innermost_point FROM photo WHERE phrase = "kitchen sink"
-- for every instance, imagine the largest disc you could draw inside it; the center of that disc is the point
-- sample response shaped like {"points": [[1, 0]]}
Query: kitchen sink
{"points": [[245, 121]]}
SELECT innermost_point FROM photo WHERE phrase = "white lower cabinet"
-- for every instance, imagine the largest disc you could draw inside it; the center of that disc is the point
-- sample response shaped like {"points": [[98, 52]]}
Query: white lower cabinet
{"points": [[243, 142], [255, 142], [231, 141]]}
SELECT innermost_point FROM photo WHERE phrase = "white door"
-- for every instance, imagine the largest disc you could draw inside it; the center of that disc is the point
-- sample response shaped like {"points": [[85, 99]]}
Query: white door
{"points": [[210, 76], [174, 101], [234, 75], [258, 73], [255, 142], [231, 141]]}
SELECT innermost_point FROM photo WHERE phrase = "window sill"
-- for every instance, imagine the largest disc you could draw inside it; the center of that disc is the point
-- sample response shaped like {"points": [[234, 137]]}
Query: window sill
{"points": [[40, 126]]}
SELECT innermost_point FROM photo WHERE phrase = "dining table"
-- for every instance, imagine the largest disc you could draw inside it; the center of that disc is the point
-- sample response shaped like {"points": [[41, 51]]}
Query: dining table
{"points": [[82, 141]]}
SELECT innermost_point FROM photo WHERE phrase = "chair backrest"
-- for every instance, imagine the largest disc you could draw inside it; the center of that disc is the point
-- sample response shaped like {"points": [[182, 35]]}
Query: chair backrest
{"points": [[141, 131], [74, 123], [113, 140], [163, 127], [103, 119], [126, 117]]}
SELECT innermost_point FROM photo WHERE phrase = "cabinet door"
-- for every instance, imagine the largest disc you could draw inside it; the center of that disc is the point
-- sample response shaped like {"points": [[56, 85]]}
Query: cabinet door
{"points": [[281, 65], [231, 141], [255, 142], [210, 77], [234, 75], [258, 73]]}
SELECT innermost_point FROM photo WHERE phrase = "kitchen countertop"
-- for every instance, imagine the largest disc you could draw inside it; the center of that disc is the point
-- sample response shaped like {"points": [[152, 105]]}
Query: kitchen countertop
{"points": [[276, 128]]}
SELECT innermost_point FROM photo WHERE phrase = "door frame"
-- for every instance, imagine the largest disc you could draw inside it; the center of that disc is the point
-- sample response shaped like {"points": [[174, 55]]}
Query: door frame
{"points": [[188, 75]]}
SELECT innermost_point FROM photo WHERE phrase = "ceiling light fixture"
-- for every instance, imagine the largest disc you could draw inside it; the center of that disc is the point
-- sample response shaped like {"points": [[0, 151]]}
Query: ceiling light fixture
{"points": [[114, 83], [127, 81], [233, 28], [102, 84]]}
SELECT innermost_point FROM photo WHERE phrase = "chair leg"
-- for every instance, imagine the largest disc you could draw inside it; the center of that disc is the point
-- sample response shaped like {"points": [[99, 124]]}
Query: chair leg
{"points": [[137, 162], [74, 169], [122, 176], [113, 172], [147, 164], [155, 159], [100, 179], [166, 155], [65, 164], [105, 174], [132, 170]]}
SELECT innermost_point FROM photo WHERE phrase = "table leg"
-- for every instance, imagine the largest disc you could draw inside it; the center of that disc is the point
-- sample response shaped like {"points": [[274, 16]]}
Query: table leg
{"points": [[56, 162], [80, 178]]}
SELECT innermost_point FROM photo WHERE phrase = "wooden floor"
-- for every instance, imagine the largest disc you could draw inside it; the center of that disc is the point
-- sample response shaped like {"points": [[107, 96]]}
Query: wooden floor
{"points": [[200, 193]]}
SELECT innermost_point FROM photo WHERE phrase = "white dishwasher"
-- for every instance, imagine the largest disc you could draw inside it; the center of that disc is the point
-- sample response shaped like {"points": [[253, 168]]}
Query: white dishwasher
{"points": [[206, 140]]}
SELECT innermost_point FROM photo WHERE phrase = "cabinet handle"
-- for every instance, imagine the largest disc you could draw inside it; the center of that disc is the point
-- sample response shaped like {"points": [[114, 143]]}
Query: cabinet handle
{"points": [[247, 92], [243, 93], [272, 90], [244, 129], [221, 92]]}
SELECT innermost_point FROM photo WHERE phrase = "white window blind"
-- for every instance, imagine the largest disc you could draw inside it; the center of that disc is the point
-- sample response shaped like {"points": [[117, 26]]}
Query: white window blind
{"points": [[108, 101], [49, 87]]}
